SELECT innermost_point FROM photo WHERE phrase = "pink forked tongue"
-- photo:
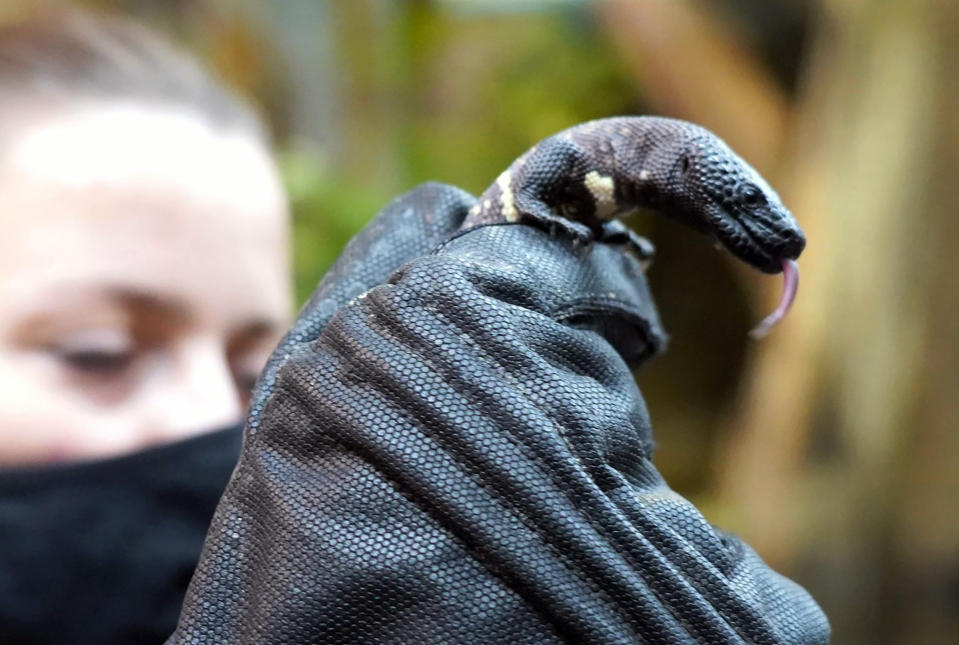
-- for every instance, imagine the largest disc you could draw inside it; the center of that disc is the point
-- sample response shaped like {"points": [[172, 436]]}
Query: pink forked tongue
{"points": [[790, 285]]}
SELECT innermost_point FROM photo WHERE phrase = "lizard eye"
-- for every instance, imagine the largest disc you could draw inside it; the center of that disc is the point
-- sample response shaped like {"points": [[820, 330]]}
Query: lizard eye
{"points": [[752, 195], [685, 164]]}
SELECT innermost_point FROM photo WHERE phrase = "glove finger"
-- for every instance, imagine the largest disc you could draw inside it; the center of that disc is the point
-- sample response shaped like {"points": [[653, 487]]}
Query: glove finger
{"points": [[410, 226], [598, 287]]}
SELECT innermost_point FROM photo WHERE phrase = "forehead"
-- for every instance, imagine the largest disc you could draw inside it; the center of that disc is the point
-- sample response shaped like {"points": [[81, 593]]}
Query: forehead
{"points": [[143, 198], [89, 143]]}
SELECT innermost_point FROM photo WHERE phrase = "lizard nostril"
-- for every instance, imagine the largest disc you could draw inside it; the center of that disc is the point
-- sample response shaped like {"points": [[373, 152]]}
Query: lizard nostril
{"points": [[793, 244]]}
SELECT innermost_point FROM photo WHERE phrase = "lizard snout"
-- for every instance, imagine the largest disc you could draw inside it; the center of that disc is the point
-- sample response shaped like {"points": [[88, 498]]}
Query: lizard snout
{"points": [[794, 241]]}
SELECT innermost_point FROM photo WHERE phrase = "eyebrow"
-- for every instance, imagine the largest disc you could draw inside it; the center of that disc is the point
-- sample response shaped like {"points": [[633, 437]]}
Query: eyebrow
{"points": [[143, 300], [259, 327], [172, 307], [169, 307]]}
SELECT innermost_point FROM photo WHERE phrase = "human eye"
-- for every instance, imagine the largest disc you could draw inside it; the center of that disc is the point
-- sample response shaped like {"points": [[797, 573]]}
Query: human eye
{"points": [[246, 363], [246, 367], [245, 381], [98, 353], [97, 361]]}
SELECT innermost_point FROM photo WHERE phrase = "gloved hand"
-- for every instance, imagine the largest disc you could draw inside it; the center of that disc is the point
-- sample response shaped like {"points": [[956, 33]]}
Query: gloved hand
{"points": [[454, 451]]}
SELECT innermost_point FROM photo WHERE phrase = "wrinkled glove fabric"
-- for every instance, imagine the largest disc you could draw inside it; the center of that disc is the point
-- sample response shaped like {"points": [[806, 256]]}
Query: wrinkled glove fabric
{"points": [[449, 447]]}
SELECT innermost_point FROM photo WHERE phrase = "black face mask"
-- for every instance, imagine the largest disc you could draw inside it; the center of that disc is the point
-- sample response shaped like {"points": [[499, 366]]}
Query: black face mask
{"points": [[102, 551]]}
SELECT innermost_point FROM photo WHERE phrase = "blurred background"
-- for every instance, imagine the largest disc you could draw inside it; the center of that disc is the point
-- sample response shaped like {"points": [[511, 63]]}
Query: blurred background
{"points": [[831, 446]]}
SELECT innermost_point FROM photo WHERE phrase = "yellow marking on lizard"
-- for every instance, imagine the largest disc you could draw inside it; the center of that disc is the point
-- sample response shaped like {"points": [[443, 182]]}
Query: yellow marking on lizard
{"points": [[603, 190], [506, 198]]}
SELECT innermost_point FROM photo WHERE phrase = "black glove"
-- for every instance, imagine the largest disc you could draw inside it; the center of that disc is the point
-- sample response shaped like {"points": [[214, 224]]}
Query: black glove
{"points": [[460, 455]]}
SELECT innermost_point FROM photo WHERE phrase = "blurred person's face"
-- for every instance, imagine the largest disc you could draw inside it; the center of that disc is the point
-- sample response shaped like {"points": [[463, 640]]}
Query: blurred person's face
{"points": [[143, 278]]}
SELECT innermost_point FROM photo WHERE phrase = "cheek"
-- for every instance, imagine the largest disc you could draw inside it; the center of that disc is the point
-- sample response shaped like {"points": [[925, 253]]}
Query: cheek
{"points": [[39, 420], [44, 417]]}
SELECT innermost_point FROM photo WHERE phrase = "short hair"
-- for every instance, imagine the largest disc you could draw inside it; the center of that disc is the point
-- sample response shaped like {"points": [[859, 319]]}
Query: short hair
{"points": [[78, 54]]}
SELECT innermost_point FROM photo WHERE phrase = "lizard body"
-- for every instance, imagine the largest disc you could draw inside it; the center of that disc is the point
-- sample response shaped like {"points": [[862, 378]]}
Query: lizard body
{"points": [[579, 180], [587, 175]]}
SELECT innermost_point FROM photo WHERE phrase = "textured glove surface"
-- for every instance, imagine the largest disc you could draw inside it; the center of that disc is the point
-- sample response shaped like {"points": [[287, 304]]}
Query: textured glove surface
{"points": [[461, 455]]}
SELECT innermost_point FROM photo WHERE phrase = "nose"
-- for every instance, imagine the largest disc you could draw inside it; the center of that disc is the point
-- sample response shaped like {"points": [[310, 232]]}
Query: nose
{"points": [[197, 393], [794, 241]]}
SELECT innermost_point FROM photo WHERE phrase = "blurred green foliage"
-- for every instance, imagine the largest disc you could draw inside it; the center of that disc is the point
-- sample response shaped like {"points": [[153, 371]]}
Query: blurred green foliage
{"points": [[491, 98], [316, 191], [469, 105]]}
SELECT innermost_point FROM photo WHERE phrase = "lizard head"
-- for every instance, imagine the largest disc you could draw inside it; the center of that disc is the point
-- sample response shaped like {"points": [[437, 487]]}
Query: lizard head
{"points": [[733, 204]]}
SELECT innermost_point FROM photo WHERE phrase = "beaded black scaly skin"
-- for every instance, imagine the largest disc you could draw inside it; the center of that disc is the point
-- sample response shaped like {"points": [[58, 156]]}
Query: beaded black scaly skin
{"points": [[596, 171]]}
